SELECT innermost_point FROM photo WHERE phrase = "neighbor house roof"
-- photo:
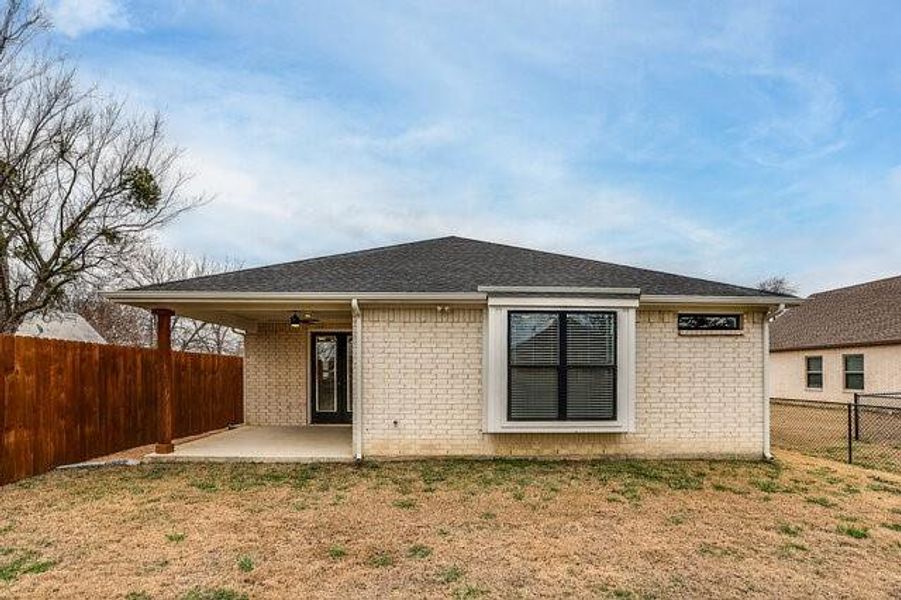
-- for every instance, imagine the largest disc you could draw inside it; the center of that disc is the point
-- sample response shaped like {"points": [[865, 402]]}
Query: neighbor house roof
{"points": [[60, 326], [448, 264], [861, 315]]}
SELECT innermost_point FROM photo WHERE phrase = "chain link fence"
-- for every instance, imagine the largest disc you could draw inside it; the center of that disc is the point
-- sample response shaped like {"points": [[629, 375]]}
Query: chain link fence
{"points": [[865, 432]]}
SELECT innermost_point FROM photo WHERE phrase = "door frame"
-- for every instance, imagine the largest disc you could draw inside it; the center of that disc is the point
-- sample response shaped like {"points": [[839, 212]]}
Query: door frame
{"points": [[341, 417]]}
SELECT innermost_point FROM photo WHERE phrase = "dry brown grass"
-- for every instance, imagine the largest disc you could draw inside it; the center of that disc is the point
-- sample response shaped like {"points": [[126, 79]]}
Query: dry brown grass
{"points": [[799, 528]]}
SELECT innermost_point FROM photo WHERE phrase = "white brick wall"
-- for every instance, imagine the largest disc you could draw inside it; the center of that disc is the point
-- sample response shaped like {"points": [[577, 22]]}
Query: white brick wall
{"points": [[695, 396], [422, 378], [275, 376], [698, 394], [276, 371], [422, 381]]}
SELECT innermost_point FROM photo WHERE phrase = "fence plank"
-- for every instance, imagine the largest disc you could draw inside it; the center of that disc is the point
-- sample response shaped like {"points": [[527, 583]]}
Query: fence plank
{"points": [[7, 369], [63, 402]]}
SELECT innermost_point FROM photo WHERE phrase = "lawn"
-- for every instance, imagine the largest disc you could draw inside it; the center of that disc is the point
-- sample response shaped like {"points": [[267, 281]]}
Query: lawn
{"points": [[800, 527]]}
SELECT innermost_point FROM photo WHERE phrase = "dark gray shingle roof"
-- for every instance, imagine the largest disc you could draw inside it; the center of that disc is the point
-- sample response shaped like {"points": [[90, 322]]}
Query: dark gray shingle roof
{"points": [[859, 315], [448, 264]]}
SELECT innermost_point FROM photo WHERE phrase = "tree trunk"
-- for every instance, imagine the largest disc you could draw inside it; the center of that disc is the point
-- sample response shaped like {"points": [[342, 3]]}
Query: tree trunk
{"points": [[6, 303], [9, 325]]}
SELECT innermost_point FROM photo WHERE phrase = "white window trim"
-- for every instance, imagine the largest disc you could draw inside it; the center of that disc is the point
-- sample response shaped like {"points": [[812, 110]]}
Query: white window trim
{"points": [[495, 363], [846, 372]]}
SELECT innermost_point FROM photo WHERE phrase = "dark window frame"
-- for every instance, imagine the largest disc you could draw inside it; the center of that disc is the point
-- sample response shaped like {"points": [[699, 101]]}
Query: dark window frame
{"points": [[808, 372], [739, 321], [343, 408], [862, 372], [562, 366]]}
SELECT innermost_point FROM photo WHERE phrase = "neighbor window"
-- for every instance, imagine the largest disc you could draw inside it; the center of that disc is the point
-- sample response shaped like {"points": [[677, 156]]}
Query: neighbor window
{"points": [[815, 372], [561, 366], [853, 371], [709, 322]]}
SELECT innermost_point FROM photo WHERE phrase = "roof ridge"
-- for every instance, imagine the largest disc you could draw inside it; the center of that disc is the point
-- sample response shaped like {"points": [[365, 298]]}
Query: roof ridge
{"points": [[451, 261], [856, 285], [619, 265]]}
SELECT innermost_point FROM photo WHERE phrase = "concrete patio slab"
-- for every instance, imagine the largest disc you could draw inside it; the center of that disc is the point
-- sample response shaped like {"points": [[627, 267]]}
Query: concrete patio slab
{"points": [[249, 443]]}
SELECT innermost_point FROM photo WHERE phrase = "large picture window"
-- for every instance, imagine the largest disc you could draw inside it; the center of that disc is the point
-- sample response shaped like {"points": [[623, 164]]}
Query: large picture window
{"points": [[561, 366]]}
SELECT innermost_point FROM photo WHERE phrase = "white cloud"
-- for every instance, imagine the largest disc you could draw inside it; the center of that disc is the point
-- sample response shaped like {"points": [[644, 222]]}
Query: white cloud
{"points": [[296, 175], [801, 125], [678, 150], [78, 17], [834, 228], [412, 140], [281, 207]]}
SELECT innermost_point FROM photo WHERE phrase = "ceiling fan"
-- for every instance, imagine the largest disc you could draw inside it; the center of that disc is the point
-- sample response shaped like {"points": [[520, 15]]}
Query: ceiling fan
{"points": [[307, 319]]}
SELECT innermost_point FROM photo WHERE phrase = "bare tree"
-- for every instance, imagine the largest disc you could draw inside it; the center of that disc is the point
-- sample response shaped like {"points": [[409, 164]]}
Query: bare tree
{"points": [[127, 325], [117, 323], [158, 265], [82, 182], [777, 285], [19, 25]]}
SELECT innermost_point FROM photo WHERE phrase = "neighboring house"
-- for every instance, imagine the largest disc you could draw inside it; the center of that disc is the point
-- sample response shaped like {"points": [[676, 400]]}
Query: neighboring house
{"points": [[454, 346], [839, 342], [60, 326]]}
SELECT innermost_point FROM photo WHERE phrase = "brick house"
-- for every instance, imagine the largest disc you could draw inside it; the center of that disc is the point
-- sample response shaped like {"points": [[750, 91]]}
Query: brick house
{"points": [[460, 347]]}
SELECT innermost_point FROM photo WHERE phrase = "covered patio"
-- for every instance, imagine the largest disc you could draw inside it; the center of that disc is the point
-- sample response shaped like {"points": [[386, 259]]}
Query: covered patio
{"points": [[299, 376], [253, 443]]}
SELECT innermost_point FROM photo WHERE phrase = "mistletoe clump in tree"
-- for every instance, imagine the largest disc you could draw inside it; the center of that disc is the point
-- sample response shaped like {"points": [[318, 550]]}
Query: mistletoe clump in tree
{"points": [[83, 181]]}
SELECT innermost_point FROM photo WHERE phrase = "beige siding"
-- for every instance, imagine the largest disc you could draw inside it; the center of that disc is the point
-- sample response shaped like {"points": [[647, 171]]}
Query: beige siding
{"points": [[422, 390], [882, 373], [276, 368]]}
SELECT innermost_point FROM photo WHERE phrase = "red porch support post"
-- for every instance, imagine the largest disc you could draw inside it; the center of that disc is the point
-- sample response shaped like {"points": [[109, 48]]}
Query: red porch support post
{"points": [[166, 380]]}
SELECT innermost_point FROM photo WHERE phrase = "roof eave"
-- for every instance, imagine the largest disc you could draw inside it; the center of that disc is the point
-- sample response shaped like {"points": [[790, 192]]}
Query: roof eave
{"points": [[720, 300], [837, 346], [150, 298], [160, 297]]}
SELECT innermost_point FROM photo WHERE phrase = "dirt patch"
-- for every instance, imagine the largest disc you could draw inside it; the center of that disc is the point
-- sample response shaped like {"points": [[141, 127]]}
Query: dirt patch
{"points": [[798, 528]]}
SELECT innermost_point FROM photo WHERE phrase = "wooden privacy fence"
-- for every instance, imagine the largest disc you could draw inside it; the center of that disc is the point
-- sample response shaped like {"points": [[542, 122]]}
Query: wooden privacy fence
{"points": [[63, 402]]}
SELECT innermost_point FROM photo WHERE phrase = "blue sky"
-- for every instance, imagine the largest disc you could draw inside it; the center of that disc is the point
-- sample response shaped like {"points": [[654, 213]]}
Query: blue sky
{"points": [[726, 140]]}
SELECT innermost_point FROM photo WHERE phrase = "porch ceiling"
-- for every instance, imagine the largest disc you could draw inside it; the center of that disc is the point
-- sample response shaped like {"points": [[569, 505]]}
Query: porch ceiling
{"points": [[247, 318], [247, 310]]}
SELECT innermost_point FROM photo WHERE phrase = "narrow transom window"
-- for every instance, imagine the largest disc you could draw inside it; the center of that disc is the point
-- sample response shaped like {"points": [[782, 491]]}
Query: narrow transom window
{"points": [[709, 322], [854, 379], [814, 372], [562, 366]]}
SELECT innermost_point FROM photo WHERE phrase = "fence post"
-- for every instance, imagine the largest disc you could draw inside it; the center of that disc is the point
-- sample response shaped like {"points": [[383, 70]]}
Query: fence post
{"points": [[850, 438], [856, 417]]}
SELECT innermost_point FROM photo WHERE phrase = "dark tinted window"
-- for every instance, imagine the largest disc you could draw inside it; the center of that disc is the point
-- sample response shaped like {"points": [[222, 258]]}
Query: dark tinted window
{"points": [[709, 322], [562, 366], [815, 372], [854, 379]]}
